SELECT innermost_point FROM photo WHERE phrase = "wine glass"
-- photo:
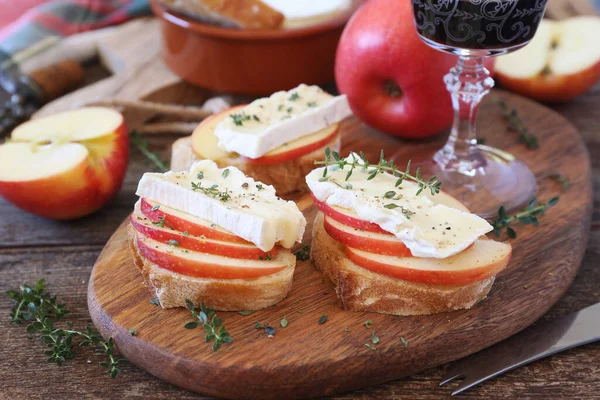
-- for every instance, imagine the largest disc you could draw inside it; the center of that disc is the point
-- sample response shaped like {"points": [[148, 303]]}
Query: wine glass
{"points": [[483, 177]]}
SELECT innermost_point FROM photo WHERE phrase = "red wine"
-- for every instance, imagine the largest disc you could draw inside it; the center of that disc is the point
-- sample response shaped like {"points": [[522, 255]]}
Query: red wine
{"points": [[478, 24]]}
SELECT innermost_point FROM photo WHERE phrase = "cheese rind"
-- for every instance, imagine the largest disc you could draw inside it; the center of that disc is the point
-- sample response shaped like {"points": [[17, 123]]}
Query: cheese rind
{"points": [[268, 123], [434, 230], [252, 211]]}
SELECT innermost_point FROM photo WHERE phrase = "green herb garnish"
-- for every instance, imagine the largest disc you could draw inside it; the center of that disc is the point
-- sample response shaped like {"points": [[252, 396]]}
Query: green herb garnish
{"points": [[200, 175], [142, 146], [407, 213], [284, 321], [368, 323], [173, 242], [323, 319], [206, 317], [212, 191], [295, 96], [260, 187], [370, 346], [238, 119], [133, 332], [266, 257], [404, 342], [245, 312], [333, 158], [312, 104], [156, 207], [155, 301], [38, 306], [304, 253], [515, 124], [560, 179], [374, 338], [225, 173], [160, 223], [185, 233], [527, 216]]}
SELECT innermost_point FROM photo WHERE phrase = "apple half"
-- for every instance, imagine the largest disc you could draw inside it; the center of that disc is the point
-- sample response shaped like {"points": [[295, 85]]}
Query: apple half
{"points": [[202, 244], [203, 265], [65, 165], [560, 63], [205, 142]]}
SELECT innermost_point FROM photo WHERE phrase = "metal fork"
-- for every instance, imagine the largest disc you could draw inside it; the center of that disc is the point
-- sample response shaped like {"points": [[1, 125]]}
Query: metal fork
{"points": [[544, 339]]}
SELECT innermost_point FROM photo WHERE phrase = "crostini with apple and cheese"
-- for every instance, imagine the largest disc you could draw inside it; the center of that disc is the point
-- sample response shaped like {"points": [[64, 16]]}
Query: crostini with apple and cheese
{"points": [[275, 140], [395, 246], [214, 236]]}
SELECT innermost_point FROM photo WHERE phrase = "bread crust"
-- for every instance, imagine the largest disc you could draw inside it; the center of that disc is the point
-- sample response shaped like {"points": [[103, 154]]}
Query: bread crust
{"points": [[362, 290], [172, 288], [287, 177]]}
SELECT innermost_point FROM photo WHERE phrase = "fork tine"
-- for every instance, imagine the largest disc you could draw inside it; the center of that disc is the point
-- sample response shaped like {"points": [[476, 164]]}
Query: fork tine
{"points": [[450, 377], [467, 384]]}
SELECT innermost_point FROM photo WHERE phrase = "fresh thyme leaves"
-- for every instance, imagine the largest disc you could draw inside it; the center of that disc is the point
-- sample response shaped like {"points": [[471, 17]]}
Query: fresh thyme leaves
{"points": [[200, 175], [173, 242], [368, 323], [245, 312], [374, 338], [515, 124], [389, 195], [323, 319], [156, 207], [370, 346], [560, 179], [527, 216], [213, 325], [38, 306], [270, 331], [289, 110], [259, 325], [404, 342], [304, 253], [225, 173], [407, 213], [295, 96], [212, 191], [160, 223], [133, 332], [333, 158], [142, 146], [155, 301], [284, 322], [185, 233], [266, 257], [259, 187], [255, 117], [239, 119], [347, 186], [311, 104], [346, 329]]}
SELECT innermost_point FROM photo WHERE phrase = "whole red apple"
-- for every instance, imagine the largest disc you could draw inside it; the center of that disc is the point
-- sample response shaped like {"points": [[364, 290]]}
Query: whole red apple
{"points": [[394, 81]]}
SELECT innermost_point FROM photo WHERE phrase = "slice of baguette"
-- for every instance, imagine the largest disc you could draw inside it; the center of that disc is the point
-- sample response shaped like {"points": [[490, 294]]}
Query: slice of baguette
{"points": [[172, 288], [245, 14], [286, 177], [362, 290]]}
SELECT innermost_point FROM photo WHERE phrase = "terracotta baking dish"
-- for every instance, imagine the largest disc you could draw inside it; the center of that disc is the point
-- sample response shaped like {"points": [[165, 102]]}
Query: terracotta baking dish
{"points": [[255, 62]]}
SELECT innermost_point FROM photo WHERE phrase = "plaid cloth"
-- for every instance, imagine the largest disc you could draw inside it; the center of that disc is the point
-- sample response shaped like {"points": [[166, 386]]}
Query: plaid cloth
{"points": [[62, 18]]}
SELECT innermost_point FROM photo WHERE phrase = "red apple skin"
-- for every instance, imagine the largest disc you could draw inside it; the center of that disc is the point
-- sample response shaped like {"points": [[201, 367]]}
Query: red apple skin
{"points": [[187, 267], [81, 190], [372, 245], [226, 249], [182, 225], [346, 219], [553, 88], [380, 48], [430, 277], [293, 153]]}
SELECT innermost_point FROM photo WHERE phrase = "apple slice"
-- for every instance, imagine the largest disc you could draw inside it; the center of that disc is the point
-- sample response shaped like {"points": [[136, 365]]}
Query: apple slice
{"points": [[197, 243], [483, 259], [205, 143], [184, 222], [202, 265], [561, 62], [378, 243], [65, 165], [350, 218]]}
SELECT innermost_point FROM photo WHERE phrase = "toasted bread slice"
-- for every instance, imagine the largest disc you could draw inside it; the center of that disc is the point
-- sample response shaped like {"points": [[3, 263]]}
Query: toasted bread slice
{"points": [[362, 290], [172, 288], [286, 177], [245, 14]]}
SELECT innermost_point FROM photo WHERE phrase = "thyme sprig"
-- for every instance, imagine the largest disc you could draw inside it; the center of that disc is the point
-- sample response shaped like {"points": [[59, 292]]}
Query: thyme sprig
{"points": [[38, 306], [333, 158], [515, 124], [212, 191], [142, 146], [527, 216], [213, 325]]}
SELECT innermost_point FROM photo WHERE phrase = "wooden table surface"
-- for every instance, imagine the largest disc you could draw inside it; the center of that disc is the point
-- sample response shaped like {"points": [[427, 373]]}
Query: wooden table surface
{"points": [[64, 253]]}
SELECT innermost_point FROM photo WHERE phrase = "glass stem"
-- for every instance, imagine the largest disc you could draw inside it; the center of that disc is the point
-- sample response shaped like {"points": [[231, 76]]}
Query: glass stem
{"points": [[467, 83]]}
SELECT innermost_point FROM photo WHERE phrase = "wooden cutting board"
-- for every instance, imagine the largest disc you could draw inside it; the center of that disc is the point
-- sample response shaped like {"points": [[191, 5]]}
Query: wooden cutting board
{"points": [[307, 359]]}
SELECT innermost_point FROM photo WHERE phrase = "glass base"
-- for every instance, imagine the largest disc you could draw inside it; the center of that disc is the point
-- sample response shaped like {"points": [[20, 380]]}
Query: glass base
{"points": [[500, 181]]}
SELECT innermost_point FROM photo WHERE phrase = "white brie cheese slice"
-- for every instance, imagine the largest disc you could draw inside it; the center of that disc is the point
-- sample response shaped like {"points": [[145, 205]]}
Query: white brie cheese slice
{"points": [[230, 199], [268, 123], [434, 230]]}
